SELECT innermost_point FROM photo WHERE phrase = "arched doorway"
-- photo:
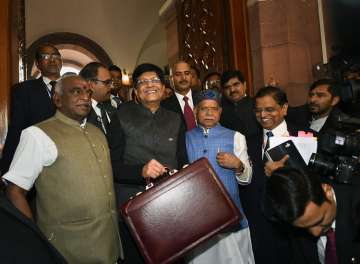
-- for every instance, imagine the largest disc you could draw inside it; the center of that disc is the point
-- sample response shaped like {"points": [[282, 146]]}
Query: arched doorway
{"points": [[76, 51]]}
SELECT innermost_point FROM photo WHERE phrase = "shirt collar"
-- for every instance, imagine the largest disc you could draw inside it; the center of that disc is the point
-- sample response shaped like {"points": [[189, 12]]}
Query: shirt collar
{"points": [[47, 81], [279, 131], [180, 96]]}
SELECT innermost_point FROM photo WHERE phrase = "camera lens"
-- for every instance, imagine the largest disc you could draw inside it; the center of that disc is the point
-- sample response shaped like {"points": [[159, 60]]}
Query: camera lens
{"points": [[321, 164]]}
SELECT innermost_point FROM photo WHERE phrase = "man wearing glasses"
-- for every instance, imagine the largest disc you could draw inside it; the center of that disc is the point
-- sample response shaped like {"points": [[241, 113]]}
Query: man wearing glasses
{"points": [[31, 100], [271, 243], [100, 82], [152, 139]]}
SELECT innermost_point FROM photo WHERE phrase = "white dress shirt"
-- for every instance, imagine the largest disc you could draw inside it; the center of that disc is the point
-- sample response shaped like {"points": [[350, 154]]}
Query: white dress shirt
{"points": [[35, 151], [180, 98], [321, 243], [279, 131], [47, 81], [317, 124]]}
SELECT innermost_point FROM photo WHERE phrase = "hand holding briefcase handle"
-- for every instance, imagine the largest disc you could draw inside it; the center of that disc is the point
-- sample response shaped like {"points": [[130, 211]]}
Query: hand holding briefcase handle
{"points": [[179, 213]]}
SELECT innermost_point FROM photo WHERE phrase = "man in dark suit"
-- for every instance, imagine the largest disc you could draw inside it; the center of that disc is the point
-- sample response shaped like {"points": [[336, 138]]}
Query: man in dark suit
{"points": [[21, 241], [182, 102], [321, 113], [238, 108], [329, 212], [100, 82], [271, 243], [31, 100]]}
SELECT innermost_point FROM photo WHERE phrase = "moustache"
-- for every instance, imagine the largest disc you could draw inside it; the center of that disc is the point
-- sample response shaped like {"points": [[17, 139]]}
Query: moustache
{"points": [[184, 82]]}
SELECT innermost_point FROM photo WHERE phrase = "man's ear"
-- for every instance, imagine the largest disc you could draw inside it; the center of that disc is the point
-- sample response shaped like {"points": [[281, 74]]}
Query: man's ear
{"points": [[195, 110], [57, 100], [284, 108], [245, 87], [335, 100]]}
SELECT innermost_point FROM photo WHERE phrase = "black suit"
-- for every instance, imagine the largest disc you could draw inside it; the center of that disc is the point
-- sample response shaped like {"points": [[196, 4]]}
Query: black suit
{"points": [[30, 104], [240, 116], [21, 241], [172, 104], [271, 242], [113, 137], [347, 230], [301, 116]]}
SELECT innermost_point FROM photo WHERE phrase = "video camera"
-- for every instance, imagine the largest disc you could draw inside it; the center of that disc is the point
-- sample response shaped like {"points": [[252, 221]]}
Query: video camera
{"points": [[338, 152]]}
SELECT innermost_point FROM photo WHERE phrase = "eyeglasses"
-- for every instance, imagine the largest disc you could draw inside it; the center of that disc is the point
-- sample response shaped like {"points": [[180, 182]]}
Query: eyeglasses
{"points": [[148, 81], [106, 82], [46, 56]]}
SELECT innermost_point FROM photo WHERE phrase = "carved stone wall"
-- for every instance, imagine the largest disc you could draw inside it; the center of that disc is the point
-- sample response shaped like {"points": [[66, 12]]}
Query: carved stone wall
{"points": [[201, 27]]}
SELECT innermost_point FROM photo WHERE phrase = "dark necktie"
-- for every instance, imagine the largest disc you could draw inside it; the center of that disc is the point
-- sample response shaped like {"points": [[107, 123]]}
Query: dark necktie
{"points": [[104, 118], [52, 91], [188, 115], [330, 249], [269, 134]]}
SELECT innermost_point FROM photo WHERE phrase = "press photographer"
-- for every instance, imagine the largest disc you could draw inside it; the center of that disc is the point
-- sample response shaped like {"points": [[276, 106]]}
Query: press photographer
{"points": [[330, 213]]}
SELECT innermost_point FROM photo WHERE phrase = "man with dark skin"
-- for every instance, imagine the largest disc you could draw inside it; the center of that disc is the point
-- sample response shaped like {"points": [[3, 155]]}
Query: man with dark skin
{"points": [[238, 108], [152, 139], [31, 100], [68, 161], [182, 102]]}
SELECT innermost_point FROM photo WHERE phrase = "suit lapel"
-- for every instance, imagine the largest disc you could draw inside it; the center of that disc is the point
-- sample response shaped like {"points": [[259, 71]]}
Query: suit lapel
{"points": [[94, 119]]}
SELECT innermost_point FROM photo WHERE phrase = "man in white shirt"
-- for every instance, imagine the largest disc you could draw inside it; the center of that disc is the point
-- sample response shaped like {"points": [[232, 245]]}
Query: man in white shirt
{"points": [[100, 82], [182, 102], [31, 100], [68, 161]]}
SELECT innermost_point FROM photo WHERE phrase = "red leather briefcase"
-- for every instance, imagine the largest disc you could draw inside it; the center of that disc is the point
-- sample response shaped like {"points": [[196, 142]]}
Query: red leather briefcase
{"points": [[179, 213]]}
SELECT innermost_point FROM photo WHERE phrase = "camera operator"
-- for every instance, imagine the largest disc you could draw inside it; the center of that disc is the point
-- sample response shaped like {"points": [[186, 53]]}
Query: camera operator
{"points": [[327, 212], [321, 113]]}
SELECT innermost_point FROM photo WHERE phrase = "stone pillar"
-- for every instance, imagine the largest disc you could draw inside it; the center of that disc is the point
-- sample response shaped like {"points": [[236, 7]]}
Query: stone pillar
{"points": [[285, 44]]}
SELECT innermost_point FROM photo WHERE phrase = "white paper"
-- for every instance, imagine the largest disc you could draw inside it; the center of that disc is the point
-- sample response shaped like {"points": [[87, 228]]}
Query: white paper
{"points": [[305, 145]]}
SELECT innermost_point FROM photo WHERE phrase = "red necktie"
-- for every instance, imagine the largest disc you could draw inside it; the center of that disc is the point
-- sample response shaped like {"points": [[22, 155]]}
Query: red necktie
{"points": [[330, 249], [188, 115]]}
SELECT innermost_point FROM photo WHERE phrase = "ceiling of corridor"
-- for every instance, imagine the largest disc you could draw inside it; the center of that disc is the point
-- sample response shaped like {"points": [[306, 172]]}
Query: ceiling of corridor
{"points": [[126, 29]]}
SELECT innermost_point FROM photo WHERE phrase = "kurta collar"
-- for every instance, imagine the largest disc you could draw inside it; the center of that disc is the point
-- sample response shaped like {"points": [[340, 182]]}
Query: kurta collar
{"points": [[69, 121]]}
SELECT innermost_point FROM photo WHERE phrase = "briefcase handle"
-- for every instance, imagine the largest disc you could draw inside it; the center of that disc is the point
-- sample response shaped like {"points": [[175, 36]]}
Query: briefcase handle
{"points": [[150, 182]]}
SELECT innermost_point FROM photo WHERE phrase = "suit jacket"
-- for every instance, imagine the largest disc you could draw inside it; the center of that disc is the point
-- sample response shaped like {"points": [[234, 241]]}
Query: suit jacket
{"points": [[240, 116], [30, 104], [172, 104], [302, 117], [271, 241], [21, 241], [347, 230]]}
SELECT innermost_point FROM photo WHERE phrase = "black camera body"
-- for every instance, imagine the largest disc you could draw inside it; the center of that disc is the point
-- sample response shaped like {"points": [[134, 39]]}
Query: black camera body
{"points": [[338, 152]]}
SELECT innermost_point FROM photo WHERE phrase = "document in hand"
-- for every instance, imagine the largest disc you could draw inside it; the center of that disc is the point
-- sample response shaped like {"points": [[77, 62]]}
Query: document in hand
{"points": [[305, 145], [286, 148]]}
